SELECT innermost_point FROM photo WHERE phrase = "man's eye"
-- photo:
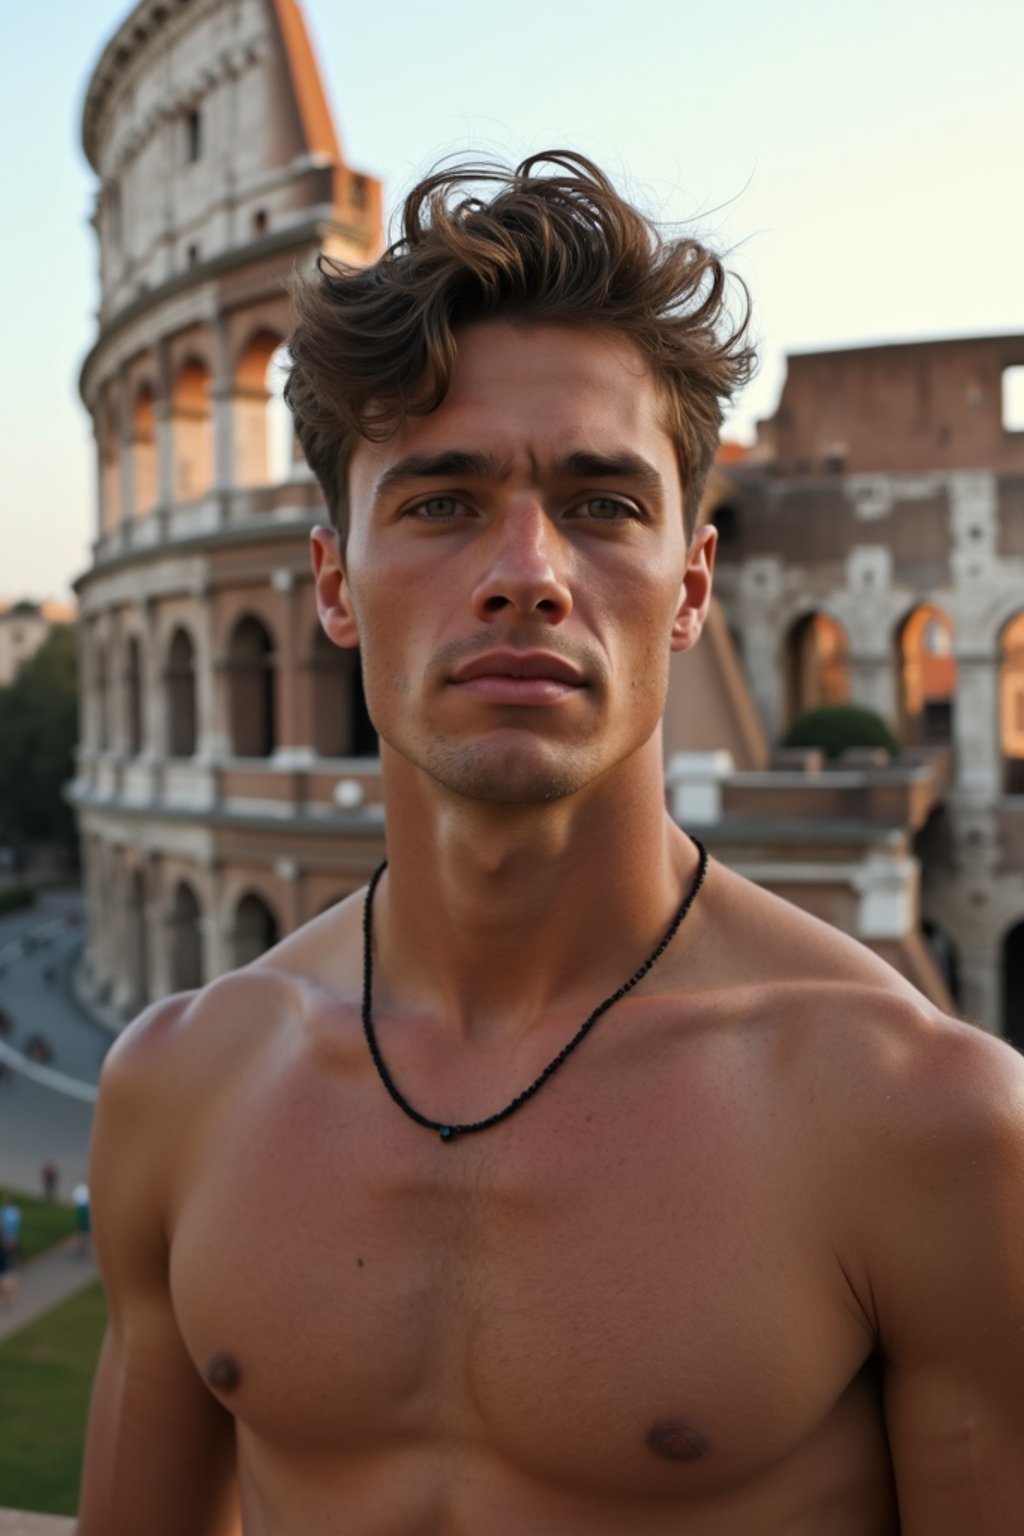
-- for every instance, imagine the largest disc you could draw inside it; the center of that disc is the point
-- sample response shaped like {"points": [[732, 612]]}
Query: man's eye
{"points": [[605, 509], [437, 508]]}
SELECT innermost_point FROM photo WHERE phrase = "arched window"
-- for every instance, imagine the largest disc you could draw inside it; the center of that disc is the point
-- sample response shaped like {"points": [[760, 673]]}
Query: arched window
{"points": [[927, 673], [144, 481], [944, 953], [133, 696], [186, 941], [1013, 986], [726, 520], [1011, 705], [192, 432], [181, 695], [255, 929], [816, 664], [341, 722], [251, 690], [262, 423]]}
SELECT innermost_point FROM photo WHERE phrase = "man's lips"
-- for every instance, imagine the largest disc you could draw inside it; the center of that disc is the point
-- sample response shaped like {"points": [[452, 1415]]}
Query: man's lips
{"points": [[519, 664], [518, 677]]}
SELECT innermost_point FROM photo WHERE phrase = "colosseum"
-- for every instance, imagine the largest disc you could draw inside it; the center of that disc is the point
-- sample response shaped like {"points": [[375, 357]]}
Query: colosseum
{"points": [[871, 549], [227, 776]]}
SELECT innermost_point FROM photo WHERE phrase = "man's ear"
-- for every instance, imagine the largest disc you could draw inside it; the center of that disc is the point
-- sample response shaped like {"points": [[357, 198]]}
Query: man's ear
{"points": [[695, 594], [333, 598]]}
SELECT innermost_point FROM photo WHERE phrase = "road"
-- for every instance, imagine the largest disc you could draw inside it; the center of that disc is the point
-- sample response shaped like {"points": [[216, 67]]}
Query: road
{"points": [[38, 947]]}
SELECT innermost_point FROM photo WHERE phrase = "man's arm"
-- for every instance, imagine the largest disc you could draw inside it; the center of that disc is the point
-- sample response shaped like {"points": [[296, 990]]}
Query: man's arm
{"points": [[160, 1451], [947, 1278]]}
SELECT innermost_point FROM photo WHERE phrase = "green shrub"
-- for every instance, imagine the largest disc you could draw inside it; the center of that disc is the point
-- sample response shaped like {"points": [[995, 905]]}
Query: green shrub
{"points": [[16, 897], [834, 727]]}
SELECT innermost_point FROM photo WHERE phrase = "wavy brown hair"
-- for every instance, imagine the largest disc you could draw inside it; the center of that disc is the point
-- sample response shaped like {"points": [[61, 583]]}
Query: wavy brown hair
{"points": [[374, 344]]}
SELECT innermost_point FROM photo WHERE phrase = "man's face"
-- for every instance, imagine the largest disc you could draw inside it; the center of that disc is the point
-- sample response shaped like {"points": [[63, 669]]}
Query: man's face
{"points": [[516, 571]]}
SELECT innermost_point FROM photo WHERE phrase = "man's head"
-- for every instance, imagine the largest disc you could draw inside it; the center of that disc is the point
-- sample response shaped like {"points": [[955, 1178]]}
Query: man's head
{"points": [[511, 415], [375, 345]]}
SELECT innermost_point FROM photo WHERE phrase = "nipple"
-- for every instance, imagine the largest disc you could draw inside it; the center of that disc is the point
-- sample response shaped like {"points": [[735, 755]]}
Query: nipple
{"points": [[222, 1373], [676, 1440]]}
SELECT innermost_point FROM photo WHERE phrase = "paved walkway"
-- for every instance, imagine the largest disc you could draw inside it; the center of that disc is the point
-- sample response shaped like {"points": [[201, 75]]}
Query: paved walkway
{"points": [[14, 1522], [45, 1282], [45, 1116]]}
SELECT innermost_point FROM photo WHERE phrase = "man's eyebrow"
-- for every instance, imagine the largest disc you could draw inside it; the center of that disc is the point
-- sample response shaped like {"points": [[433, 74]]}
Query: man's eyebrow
{"points": [[585, 465], [469, 464], [451, 464]]}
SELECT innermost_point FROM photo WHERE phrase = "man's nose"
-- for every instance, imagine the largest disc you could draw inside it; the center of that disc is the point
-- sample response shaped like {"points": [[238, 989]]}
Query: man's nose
{"points": [[525, 568]]}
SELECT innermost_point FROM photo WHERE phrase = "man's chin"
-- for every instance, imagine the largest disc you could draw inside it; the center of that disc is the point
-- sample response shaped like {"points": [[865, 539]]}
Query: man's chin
{"points": [[507, 776]]}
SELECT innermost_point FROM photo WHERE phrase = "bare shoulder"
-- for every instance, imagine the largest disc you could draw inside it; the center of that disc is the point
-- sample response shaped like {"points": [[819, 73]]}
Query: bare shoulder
{"points": [[893, 1091], [753, 936], [184, 1052]]}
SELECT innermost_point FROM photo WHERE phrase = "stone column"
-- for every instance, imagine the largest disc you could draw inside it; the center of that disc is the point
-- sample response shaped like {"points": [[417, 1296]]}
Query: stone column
{"points": [[215, 924], [976, 725], [164, 430], [124, 447], [764, 643], [212, 735], [287, 872], [221, 392], [980, 987], [154, 687], [865, 611], [286, 666]]}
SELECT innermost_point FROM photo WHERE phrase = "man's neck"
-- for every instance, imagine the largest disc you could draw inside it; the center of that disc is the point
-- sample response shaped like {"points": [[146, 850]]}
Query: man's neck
{"points": [[494, 916]]}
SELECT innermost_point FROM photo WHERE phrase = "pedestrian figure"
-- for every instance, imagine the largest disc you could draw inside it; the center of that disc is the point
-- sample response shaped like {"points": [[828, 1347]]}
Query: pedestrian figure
{"points": [[80, 1198], [50, 1174], [10, 1229], [8, 1279]]}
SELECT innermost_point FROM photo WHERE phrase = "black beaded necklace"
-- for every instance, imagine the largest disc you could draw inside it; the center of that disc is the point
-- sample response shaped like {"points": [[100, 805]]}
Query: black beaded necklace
{"points": [[449, 1132]]}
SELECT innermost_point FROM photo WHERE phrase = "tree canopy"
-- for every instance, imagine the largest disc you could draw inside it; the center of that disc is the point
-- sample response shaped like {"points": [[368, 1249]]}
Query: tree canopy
{"points": [[38, 731]]}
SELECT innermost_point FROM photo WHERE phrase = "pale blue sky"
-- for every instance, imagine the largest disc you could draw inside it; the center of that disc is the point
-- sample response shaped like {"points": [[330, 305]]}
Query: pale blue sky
{"points": [[865, 162]]}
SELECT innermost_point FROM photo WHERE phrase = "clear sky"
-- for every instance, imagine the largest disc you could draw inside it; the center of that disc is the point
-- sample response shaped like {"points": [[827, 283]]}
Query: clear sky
{"points": [[864, 163]]}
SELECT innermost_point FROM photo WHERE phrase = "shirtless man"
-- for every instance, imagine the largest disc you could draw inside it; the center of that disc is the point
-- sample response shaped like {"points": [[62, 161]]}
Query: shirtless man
{"points": [[750, 1260]]}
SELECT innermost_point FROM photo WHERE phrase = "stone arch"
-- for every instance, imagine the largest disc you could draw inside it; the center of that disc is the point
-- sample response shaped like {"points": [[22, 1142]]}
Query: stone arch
{"points": [[261, 422], [255, 929], [817, 669], [143, 450], [186, 939], [252, 710], [1013, 985], [341, 721], [946, 955], [926, 669], [191, 430], [726, 519], [180, 678], [133, 696], [1011, 704]]}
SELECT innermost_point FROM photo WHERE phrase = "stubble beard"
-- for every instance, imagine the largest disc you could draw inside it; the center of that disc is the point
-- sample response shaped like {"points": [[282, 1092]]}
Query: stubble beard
{"points": [[506, 775]]}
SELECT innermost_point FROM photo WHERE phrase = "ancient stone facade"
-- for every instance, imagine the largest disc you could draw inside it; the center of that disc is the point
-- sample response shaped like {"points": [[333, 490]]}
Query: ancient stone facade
{"points": [[872, 548], [227, 778]]}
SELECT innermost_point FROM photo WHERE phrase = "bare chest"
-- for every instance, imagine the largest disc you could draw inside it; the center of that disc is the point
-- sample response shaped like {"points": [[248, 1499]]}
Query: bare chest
{"points": [[618, 1287]]}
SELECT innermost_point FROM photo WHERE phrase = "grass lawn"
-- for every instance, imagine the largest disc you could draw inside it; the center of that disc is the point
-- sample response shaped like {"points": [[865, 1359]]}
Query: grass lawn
{"points": [[46, 1373], [42, 1223]]}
